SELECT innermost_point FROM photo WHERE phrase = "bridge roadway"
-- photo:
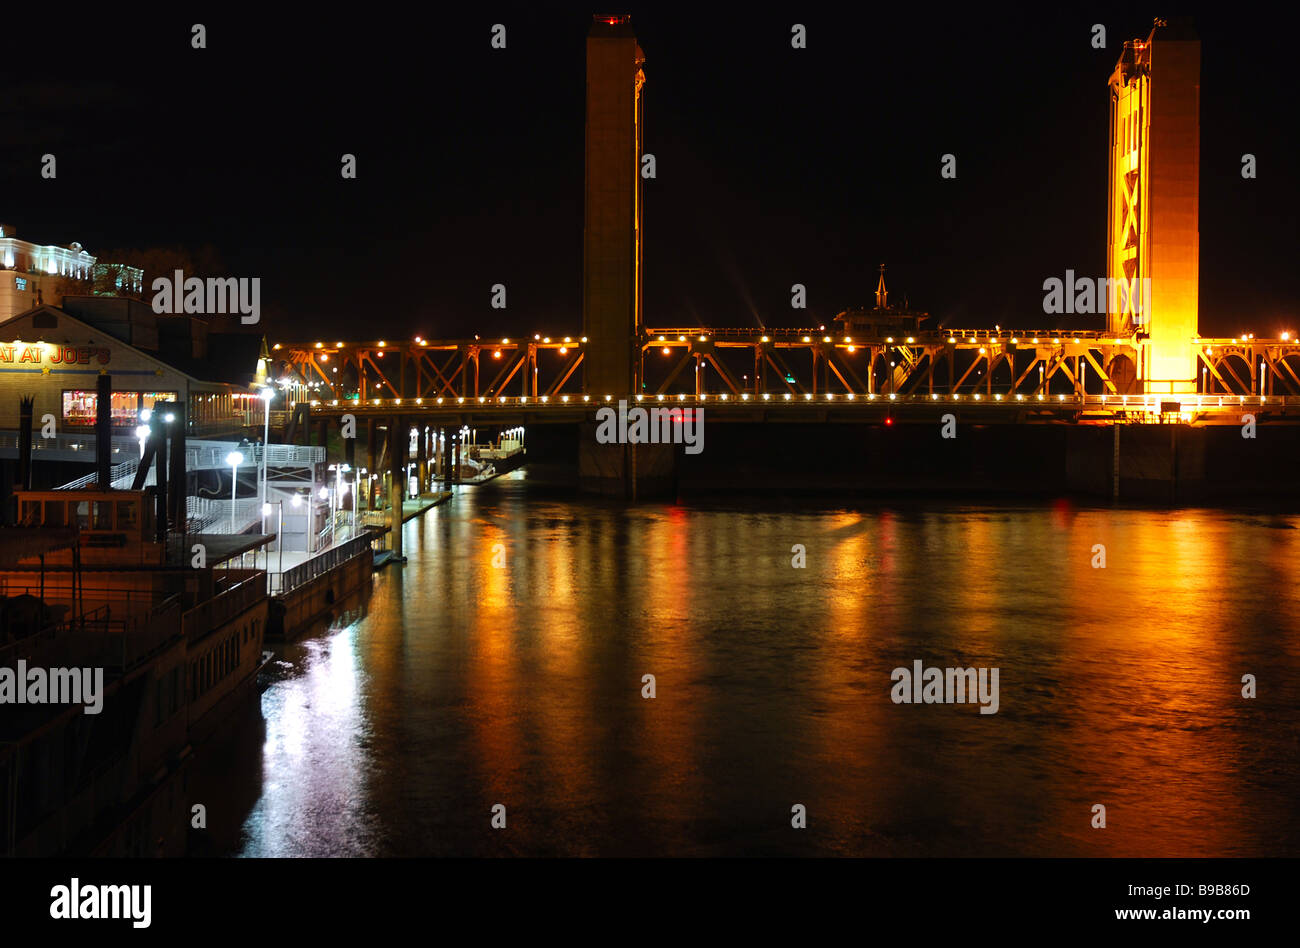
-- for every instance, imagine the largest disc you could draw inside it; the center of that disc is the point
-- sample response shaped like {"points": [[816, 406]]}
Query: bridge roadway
{"points": [[979, 408]]}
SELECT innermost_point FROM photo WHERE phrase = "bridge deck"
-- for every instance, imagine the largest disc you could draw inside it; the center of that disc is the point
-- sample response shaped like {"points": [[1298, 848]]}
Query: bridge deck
{"points": [[997, 408]]}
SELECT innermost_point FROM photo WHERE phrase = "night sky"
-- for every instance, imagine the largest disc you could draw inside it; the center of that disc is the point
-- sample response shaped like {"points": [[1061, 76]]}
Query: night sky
{"points": [[775, 165]]}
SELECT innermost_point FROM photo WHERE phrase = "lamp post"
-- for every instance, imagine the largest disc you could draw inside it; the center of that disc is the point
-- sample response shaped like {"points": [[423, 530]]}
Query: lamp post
{"points": [[296, 500], [267, 395], [341, 487], [234, 459], [325, 495], [279, 530]]}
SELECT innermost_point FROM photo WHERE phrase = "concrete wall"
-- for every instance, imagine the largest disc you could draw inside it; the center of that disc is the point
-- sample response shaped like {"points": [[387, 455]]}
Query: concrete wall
{"points": [[319, 599]]}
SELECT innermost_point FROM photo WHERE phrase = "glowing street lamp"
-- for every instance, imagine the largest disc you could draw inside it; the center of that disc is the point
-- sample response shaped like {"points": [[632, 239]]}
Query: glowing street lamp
{"points": [[234, 459]]}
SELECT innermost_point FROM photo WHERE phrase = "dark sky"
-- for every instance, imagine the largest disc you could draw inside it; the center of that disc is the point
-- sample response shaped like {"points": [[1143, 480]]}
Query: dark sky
{"points": [[775, 165]]}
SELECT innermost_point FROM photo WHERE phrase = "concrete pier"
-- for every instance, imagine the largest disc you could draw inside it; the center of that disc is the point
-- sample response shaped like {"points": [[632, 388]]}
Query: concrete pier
{"points": [[633, 472]]}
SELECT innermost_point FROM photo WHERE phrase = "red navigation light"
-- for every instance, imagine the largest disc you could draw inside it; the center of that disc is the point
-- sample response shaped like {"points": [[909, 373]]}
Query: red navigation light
{"points": [[888, 420]]}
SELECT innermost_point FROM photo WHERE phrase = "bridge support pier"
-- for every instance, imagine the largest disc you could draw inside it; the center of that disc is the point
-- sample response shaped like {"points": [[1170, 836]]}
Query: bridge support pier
{"points": [[1141, 463], [629, 471]]}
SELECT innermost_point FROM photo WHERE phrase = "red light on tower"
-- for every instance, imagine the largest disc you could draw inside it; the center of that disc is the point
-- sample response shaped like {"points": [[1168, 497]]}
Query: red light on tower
{"points": [[889, 420]]}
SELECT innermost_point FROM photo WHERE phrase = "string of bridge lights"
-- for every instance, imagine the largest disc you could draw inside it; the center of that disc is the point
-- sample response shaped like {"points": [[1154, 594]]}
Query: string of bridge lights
{"points": [[1147, 401]]}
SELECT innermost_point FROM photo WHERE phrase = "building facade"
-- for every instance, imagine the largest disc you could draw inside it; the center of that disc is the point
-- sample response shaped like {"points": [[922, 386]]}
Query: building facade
{"points": [[32, 275], [55, 355]]}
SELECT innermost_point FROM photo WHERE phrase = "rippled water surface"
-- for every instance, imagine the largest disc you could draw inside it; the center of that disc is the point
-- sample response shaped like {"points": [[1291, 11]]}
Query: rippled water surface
{"points": [[470, 684]]}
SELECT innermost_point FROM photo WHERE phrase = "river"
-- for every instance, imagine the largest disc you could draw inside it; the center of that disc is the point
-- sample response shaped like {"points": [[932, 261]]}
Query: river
{"points": [[504, 664]]}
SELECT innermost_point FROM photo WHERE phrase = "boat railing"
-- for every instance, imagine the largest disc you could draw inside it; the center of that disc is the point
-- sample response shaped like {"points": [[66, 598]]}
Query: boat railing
{"points": [[112, 636], [224, 606]]}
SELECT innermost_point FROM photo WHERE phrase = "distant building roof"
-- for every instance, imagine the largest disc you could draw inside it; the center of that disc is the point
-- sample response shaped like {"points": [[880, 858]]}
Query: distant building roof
{"points": [[185, 343], [231, 358], [181, 343]]}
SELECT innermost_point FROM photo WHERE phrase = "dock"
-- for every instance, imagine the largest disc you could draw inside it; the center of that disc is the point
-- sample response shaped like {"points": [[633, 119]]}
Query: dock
{"points": [[308, 587]]}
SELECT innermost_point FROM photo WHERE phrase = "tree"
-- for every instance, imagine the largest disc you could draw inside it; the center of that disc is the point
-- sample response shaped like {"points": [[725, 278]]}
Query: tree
{"points": [[158, 262]]}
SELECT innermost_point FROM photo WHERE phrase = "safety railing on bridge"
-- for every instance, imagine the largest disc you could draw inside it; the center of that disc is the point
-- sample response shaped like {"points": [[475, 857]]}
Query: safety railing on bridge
{"points": [[120, 476], [212, 455], [210, 515]]}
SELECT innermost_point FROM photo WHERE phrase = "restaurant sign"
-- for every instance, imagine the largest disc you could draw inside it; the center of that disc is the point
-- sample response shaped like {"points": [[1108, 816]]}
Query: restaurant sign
{"points": [[41, 353]]}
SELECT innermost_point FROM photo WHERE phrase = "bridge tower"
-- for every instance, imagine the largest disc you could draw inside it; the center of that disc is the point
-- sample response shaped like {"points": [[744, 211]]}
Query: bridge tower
{"points": [[611, 260], [1153, 237]]}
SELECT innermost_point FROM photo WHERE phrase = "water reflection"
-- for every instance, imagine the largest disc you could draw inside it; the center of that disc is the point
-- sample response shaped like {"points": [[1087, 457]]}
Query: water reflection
{"points": [[504, 663]]}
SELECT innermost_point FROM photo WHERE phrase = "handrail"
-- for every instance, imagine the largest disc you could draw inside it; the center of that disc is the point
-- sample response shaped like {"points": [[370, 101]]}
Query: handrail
{"points": [[222, 607], [291, 579], [120, 472], [97, 638]]}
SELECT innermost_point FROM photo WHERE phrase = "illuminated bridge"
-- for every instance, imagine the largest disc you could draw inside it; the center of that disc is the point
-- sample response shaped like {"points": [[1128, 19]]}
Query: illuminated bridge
{"points": [[1001, 376], [1143, 367], [1148, 363]]}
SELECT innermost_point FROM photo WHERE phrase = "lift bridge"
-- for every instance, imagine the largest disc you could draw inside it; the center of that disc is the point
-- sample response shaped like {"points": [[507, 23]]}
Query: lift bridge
{"points": [[1144, 360]]}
